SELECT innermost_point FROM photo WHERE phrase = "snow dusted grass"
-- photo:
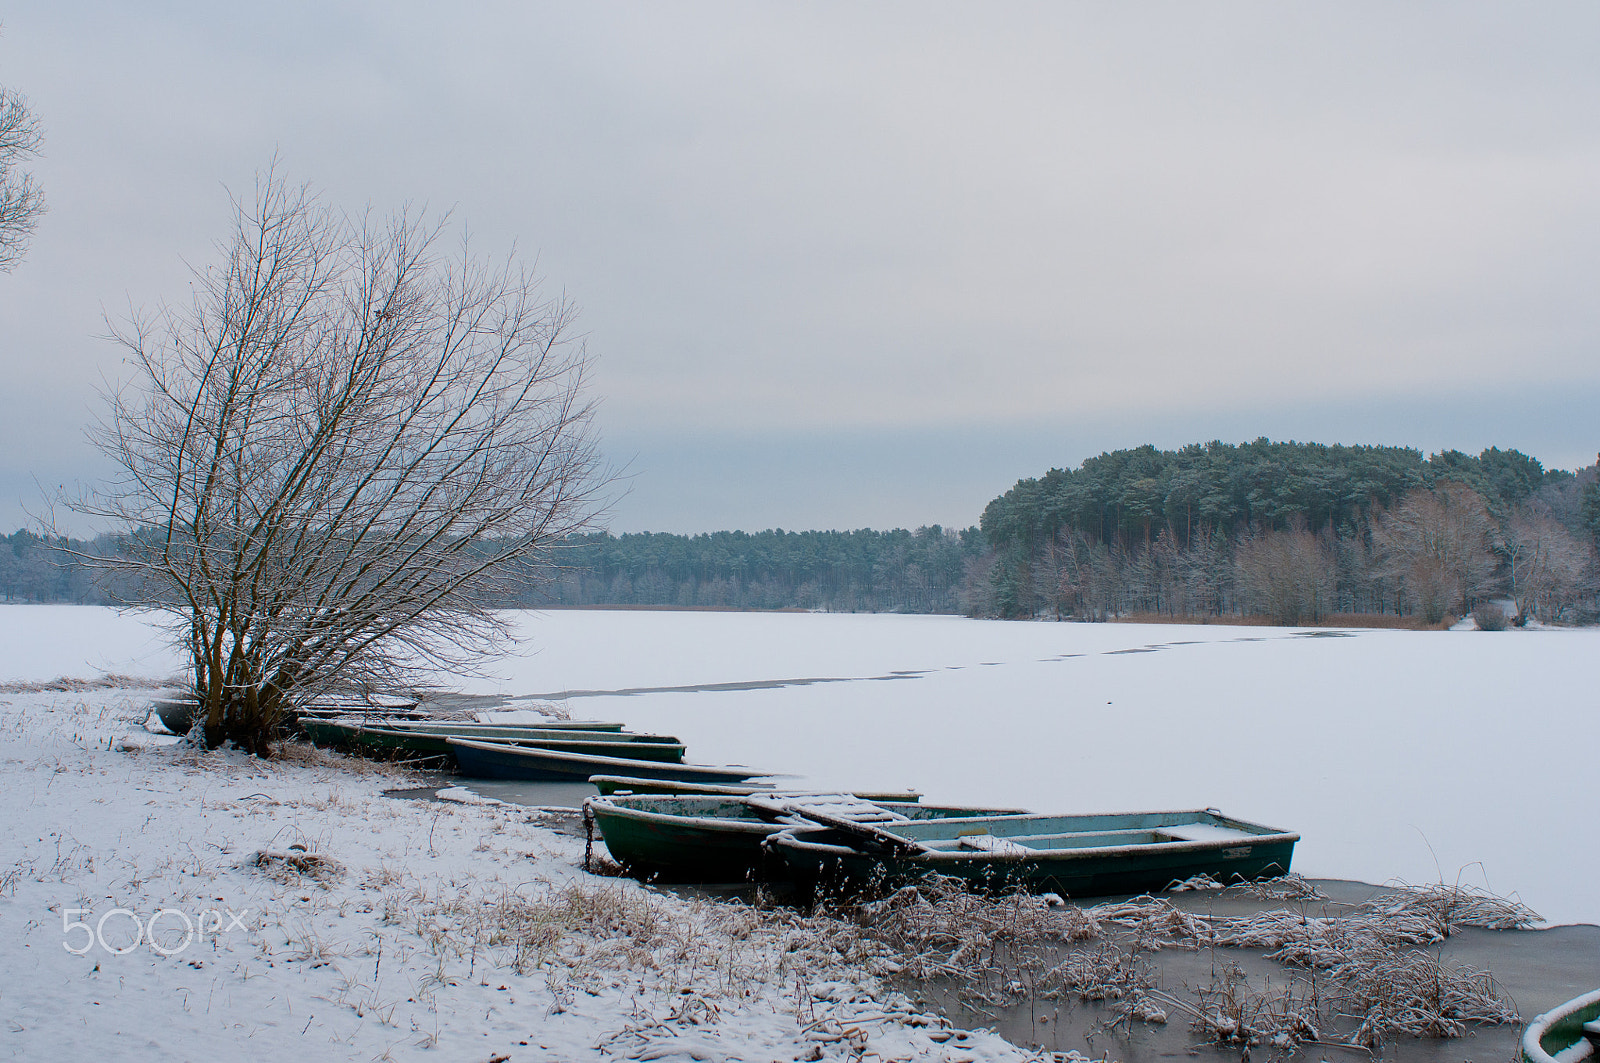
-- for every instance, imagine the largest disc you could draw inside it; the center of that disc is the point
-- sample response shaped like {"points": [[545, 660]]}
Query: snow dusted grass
{"points": [[1356, 977], [332, 922]]}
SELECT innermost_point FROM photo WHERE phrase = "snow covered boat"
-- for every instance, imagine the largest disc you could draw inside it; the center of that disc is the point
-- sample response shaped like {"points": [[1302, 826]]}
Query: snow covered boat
{"points": [[467, 727], [356, 735], [178, 714], [492, 760], [622, 784], [1080, 855], [1567, 1034], [717, 837]]}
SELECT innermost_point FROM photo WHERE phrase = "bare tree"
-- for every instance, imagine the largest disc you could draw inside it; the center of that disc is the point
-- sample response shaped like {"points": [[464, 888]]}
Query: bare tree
{"points": [[338, 454], [1546, 564], [21, 202], [1289, 575], [1436, 544]]}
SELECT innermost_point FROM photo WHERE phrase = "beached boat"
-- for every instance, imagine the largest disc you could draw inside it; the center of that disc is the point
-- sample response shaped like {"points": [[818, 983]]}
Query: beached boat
{"points": [[490, 760], [1081, 855], [717, 837], [178, 714], [467, 727], [350, 734], [622, 784], [1568, 1034]]}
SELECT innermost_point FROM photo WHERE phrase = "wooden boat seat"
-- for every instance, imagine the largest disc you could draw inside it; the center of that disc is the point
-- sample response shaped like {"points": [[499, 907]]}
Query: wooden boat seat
{"points": [[1205, 832], [793, 808], [1091, 839], [989, 843]]}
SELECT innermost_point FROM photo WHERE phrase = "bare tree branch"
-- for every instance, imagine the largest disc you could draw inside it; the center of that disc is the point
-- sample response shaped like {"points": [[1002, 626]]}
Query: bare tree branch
{"points": [[21, 201]]}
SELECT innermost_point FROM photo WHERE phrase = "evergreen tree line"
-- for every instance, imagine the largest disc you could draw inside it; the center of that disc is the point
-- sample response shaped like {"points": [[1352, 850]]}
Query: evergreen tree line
{"points": [[1294, 532], [921, 571], [900, 571], [1289, 532]]}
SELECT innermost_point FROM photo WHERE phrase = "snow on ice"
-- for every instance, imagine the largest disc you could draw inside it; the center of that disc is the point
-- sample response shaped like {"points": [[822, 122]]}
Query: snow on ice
{"points": [[461, 929]]}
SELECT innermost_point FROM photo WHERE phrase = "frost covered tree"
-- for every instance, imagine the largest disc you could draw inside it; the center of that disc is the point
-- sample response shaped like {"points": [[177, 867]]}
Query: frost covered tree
{"points": [[1545, 563], [1436, 544], [338, 452], [1289, 575]]}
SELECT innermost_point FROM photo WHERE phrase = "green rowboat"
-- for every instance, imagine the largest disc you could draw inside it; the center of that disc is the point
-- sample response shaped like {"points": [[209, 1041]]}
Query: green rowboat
{"points": [[622, 784], [1568, 1034], [390, 740], [471, 727], [1080, 856], [710, 837], [498, 760]]}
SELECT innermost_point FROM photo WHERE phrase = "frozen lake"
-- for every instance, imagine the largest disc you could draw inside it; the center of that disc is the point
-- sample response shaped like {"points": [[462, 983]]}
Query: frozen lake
{"points": [[1396, 755]]}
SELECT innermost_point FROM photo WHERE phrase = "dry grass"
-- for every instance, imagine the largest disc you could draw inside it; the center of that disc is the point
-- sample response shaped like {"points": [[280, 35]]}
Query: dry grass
{"points": [[938, 927], [1358, 620], [1355, 978], [298, 865], [304, 754], [109, 681]]}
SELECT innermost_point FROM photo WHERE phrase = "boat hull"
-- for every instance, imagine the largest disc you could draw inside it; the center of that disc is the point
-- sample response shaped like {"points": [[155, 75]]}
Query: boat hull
{"points": [[485, 760], [707, 838], [178, 714], [1079, 864], [388, 741], [468, 727], [621, 784], [1559, 1035]]}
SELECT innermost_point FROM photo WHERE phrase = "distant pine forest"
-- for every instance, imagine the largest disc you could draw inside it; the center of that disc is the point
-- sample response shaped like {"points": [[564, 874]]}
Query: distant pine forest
{"points": [[1287, 533]]}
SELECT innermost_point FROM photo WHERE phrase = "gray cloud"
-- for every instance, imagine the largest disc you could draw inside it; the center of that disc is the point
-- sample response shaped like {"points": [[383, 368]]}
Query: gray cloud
{"points": [[878, 223]]}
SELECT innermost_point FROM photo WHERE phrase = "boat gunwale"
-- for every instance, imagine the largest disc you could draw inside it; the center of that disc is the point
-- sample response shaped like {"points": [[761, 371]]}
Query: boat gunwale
{"points": [[518, 740], [422, 726], [729, 771], [711, 822], [1207, 812], [620, 788], [717, 823], [919, 853], [1533, 1051]]}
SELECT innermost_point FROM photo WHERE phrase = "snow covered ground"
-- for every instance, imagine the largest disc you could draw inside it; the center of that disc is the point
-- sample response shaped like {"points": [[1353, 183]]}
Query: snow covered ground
{"points": [[1395, 754], [140, 920]]}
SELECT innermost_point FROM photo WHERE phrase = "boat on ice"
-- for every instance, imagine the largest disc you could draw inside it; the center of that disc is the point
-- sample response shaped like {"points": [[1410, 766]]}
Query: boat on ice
{"points": [[718, 837], [1567, 1034], [470, 727], [495, 760], [389, 739], [622, 784], [177, 714], [1076, 855]]}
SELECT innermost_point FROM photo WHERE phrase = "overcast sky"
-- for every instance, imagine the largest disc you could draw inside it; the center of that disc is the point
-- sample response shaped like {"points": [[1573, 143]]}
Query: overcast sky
{"points": [[851, 265]]}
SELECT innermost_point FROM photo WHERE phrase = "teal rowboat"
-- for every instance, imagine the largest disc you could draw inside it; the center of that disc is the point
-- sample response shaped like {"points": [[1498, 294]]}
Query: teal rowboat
{"points": [[388, 740], [178, 714], [710, 838], [1080, 855], [469, 727], [491, 760], [622, 784], [1568, 1034]]}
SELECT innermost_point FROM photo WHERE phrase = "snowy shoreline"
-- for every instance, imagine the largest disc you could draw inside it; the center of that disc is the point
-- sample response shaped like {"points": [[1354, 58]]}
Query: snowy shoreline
{"points": [[373, 927]]}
